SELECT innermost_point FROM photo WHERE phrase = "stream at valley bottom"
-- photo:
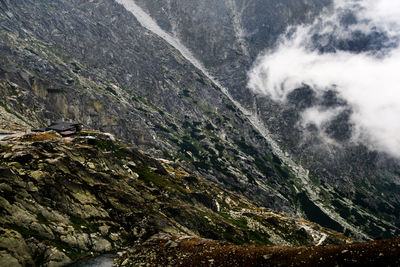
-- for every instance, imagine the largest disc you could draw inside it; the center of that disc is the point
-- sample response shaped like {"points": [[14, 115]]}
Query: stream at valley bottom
{"points": [[105, 260]]}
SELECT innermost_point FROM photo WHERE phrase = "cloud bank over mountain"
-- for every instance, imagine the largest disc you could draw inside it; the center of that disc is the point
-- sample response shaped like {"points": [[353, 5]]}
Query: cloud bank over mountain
{"points": [[353, 49]]}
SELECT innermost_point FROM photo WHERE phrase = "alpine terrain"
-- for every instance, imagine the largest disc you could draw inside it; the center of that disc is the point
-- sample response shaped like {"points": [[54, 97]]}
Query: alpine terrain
{"points": [[223, 133]]}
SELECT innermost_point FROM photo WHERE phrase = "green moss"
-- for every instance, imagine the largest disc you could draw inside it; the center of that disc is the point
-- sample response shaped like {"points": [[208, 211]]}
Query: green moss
{"points": [[241, 223], [161, 128], [201, 165], [230, 107], [147, 102], [70, 81], [230, 237], [183, 157], [260, 239], [166, 154], [159, 180], [284, 172], [72, 253], [277, 165], [172, 126], [186, 92], [164, 70], [257, 238], [315, 214], [201, 80], [314, 179], [187, 125], [80, 224], [209, 127], [76, 69], [111, 146], [42, 220], [112, 91], [142, 109], [190, 145], [263, 167], [244, 147]]}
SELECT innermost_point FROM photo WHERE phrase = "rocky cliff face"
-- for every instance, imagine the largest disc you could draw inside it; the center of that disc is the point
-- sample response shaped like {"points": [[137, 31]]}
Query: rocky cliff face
{"points": [[93, 62], [228, 35], [64, 198]]}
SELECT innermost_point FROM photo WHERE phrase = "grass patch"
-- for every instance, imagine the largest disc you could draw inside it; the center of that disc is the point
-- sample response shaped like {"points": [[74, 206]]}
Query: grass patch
{"points": [[159, 180], [241, 223], [76, 69], [161, 128], [42, 220], [111, 146], [210, 127], [201, 80], [82, 225], [186, 92], [315, 214], [230, 107], [112, 91], [245, 148], [40, 137]]}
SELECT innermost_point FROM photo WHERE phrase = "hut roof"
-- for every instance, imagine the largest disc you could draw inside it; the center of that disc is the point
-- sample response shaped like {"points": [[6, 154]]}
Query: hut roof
{"points": [[61, 126]]}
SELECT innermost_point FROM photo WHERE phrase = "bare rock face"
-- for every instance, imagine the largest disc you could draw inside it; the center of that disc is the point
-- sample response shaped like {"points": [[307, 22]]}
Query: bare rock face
{"points": [[14, 248], [228, 35]]}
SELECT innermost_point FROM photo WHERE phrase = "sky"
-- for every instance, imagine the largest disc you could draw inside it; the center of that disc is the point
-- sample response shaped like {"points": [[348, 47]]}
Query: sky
{"points": [[353, 49]]}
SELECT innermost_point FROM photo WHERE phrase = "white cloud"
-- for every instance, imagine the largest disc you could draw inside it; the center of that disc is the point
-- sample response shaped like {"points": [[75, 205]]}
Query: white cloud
{"points": [[369, 80], [319, 116]]}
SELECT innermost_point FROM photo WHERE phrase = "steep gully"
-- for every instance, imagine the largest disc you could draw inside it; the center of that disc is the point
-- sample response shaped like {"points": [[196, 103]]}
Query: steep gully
{"points": [[302, 174]]}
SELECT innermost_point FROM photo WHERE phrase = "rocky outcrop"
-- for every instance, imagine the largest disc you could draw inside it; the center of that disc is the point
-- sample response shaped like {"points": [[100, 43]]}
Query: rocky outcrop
{"points": [[63, 199]]}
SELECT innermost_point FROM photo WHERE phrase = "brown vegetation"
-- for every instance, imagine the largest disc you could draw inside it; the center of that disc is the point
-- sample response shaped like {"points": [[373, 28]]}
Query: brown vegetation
{"points": [[201, 252]]}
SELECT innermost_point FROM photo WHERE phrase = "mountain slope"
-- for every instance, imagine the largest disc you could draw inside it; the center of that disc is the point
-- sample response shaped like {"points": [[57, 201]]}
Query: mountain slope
{"points": [[93, 62], [353, 183], [132, 84], [66, 198], [228, 35]]}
